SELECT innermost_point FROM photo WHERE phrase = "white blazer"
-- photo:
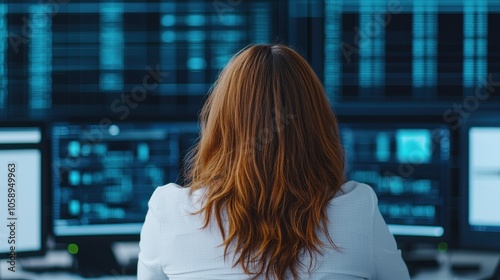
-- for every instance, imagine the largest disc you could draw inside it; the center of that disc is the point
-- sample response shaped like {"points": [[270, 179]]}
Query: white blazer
{"points": [[174, 247]]}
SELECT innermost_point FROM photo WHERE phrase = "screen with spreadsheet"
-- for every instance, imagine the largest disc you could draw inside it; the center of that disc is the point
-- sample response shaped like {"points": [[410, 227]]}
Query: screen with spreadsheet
{"points": [[402, 50], [408, 167], [60, 58], [68, 55], [104, 175]]}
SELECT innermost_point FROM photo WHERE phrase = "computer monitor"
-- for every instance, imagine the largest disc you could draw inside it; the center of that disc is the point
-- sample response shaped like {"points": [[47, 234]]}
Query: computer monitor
{"points": [[408, 166], [103, 177], [23, 191], [480, 181]]}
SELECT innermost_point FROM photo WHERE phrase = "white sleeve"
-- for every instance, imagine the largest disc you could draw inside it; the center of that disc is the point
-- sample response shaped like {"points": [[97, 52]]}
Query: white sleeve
{"points": [[387, 260], [149, 266]]}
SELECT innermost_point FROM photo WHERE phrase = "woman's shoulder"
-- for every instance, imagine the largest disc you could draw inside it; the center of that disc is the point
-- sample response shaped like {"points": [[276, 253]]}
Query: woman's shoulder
{"points": [[353, 194], [168, 189], [166, 195], [356, 189]]}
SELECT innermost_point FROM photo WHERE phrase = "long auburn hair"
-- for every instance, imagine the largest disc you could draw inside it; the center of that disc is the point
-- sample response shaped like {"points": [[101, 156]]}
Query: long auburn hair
{"points": [[270, 159]]}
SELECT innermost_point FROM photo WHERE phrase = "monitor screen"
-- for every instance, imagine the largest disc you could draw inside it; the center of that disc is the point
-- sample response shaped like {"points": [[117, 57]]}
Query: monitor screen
{"points": [[484, 178], [21, 194], [104, 175], [480, 222], [404, 51], [85, 54], [408, 167]]}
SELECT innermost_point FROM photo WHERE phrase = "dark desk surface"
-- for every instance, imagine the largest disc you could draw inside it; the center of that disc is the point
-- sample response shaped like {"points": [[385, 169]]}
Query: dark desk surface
{"points": [[487, 262], [63, 261]]}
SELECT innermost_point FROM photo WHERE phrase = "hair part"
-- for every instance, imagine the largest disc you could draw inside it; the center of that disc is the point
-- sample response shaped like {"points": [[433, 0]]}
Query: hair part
{"points": [[270, 159]]}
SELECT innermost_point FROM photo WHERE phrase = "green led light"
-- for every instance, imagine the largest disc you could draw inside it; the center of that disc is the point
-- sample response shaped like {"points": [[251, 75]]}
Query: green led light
{"points": [[73, 249], [442, 247]]}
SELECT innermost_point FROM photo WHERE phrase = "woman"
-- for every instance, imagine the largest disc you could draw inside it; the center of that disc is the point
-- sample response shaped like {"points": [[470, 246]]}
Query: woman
{"points": [[266, 196]]}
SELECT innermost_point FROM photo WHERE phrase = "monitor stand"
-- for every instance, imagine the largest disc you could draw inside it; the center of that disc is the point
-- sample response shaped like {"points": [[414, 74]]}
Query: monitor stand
{"points": [[96, 259]]}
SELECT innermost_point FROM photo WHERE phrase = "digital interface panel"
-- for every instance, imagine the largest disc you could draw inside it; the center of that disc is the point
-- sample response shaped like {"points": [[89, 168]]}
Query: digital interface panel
{"points": [[104, 175], [408, 167]]}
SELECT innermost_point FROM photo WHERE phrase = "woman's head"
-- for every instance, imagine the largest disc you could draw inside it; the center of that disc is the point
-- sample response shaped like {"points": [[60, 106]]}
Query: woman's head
{"points": [[270, 157]]}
